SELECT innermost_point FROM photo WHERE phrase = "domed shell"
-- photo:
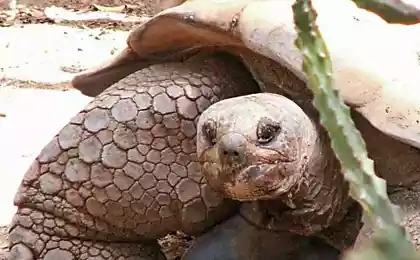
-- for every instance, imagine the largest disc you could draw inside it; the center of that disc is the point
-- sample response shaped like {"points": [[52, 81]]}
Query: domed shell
{"points": [[376, 65]]}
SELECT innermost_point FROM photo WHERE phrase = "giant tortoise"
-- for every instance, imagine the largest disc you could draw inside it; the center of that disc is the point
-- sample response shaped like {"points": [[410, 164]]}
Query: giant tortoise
{"points": [[125, 170]]}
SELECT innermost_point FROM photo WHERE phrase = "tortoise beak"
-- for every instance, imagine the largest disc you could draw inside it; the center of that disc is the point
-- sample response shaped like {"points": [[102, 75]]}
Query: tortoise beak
{"points": [[258, 174]]}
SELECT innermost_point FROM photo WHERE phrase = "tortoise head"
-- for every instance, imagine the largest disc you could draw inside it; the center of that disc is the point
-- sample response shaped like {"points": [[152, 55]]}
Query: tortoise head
{"points": [[265, 148], [255, 147]]}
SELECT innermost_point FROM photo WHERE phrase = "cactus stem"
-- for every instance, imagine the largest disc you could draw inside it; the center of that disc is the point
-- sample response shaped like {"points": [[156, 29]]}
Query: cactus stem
{"points": [[347, 143]]}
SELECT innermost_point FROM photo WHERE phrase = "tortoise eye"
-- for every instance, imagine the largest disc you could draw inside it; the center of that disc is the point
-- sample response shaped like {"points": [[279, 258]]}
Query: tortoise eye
{"points": [[267, 129], [209, 130]]}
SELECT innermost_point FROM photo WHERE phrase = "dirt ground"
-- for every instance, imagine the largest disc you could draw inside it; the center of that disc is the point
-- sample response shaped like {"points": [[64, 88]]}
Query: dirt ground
{"points": [[65, 38]]}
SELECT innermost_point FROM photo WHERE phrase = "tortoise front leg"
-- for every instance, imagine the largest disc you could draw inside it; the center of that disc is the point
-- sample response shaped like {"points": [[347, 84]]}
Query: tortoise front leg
{"points": [[124, 171]]}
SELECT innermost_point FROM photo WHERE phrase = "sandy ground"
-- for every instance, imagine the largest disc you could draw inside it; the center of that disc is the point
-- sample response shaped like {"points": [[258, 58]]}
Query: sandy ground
{"points": [[52, 54], [36, 57], [33, 117]]}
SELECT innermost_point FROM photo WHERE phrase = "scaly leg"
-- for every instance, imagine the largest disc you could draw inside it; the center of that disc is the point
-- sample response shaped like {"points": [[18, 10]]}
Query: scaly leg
{"points": [[124, 171]]}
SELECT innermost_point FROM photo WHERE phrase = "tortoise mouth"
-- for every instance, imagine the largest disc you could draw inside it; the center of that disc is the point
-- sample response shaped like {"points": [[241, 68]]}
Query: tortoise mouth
{"points": [[256, 182], [259, 174]]}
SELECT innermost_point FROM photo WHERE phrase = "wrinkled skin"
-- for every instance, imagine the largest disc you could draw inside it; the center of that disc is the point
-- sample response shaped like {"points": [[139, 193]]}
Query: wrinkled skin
{"points": [[265, 147], [230, 134]]}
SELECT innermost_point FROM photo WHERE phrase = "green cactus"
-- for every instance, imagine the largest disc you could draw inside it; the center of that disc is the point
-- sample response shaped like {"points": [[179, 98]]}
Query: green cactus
{"points": [[368, 189], [391, 11]]}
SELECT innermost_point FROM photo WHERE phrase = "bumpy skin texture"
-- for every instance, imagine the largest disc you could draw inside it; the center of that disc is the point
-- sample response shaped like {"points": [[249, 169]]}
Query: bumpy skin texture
{"points": [[263, 147], [124, 171]]}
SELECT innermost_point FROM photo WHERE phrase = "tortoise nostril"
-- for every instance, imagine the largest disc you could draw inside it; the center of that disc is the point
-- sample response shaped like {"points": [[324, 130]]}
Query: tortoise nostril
{"points": [[231, 153], [232, 146]]}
